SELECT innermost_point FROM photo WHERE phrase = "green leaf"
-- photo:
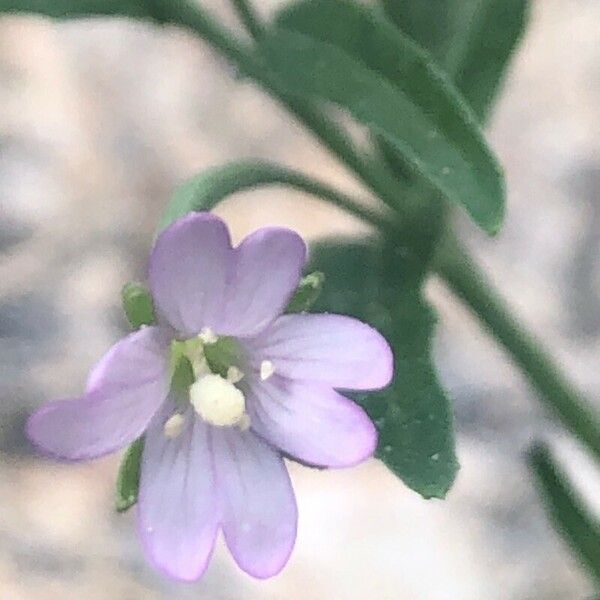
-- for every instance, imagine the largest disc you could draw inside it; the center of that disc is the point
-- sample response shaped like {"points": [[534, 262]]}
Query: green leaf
{"points": [[473, 40], [137, 304], [128, 480], [580, 529], [494, 29], [346, 54], [71, 9], [382, 286], [306, 295], [430, 23]]}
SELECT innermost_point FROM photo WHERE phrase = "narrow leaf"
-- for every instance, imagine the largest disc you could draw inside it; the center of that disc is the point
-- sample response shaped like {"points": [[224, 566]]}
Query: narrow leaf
{"points": [[128, 479], [430, 23], [494, 29], [580, 529], [473, 40], [344, 53], [413, 416]]}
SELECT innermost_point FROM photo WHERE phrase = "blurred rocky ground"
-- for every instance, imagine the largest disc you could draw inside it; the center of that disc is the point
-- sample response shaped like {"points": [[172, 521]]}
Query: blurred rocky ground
{"points": [[98, 122]]}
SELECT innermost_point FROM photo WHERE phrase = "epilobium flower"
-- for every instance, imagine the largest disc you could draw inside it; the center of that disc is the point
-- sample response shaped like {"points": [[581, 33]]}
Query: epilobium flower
{"points": [[260, 386]]}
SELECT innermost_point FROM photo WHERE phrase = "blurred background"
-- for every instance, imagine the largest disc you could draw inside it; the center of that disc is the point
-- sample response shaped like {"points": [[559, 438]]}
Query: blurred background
{"points": [[98, 122]]}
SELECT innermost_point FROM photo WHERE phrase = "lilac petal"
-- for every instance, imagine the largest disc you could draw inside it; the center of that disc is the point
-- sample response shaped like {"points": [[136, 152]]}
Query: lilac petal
{"points": [[178, 515], [340, 351], [268, 267], [310, 421], [125, 390], [135, 359], [257, 500], [189, 268]]}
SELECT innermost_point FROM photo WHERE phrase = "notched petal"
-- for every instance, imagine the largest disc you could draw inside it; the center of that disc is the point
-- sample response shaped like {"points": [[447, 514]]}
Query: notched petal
{"points": [[336, 350]]}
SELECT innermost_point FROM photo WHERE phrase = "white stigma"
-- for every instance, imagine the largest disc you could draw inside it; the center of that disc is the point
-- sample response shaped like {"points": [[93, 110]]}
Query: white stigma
{"points": [[234, 375], [207, 336], [218, 401], [266, 369], [174, 426]]}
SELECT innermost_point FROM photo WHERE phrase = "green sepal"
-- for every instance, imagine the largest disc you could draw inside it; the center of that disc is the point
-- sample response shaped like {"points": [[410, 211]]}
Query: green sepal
{"points": [[139, 310], [308, 291], [137, 304], [222, 354], [128, 480], [183, 376]]}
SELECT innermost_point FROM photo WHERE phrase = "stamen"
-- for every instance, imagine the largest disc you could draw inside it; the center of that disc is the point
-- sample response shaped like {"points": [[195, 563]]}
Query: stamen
{"points": [[207, 336], [244, 423], [234, 375], [174, 426], [267, 368]]}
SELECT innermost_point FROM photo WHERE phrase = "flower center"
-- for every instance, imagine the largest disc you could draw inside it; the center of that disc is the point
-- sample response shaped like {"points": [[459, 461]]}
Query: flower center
{"points": [[218, 401], [205, 373]]}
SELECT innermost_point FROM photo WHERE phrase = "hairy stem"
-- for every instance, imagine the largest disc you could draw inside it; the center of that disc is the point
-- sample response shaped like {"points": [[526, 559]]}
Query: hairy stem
{"points": [[469, 283]]}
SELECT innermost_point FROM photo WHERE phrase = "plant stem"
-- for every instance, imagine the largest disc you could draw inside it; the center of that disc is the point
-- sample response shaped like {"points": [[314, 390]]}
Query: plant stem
{"points": [[569, 515], [248, 17], [196, 20], [469, 283], [263, 173], [222, 181]]}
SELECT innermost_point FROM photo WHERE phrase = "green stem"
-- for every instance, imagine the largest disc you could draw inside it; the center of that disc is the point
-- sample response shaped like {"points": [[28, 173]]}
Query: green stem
{"points": [[205, 191], [578, 526], [196, 20], [269, 174], [248, 17], [469, 283]]}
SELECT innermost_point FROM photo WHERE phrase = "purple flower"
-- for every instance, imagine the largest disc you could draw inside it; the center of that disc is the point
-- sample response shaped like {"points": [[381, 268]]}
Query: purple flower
{"points": [[213, 451]]}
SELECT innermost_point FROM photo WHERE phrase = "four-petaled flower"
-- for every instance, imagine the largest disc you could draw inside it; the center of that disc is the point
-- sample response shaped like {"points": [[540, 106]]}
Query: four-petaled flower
{"points": [[262, 386]]}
